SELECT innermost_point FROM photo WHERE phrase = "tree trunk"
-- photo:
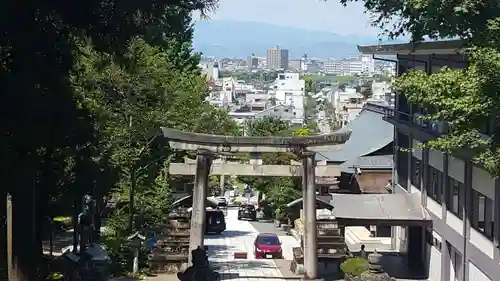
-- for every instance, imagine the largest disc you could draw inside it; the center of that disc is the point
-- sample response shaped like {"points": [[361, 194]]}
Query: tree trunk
{"points": [[25, 247], [3, 235]]}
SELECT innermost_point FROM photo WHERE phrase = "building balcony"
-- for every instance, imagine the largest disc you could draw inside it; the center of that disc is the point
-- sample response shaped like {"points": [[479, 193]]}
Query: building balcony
{"points": [[413, 123]]}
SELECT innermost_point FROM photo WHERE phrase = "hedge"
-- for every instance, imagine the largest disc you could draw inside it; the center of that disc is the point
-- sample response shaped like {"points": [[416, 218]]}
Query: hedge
{"points": [[354, 266]]}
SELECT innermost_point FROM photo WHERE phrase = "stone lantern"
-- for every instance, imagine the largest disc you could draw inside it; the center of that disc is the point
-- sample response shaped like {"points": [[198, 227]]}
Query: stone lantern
{"points": [[136, 240], [375, 269]]}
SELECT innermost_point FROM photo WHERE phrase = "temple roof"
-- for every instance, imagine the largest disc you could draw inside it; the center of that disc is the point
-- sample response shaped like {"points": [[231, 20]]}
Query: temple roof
{"points": [[376, 162], [369, 133], [390, 209], [320, 203]]}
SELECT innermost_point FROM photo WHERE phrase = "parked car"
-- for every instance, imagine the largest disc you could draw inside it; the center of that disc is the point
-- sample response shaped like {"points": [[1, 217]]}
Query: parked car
{"points": [[247, 212], [222, 205], [267, 246], [215, 221], [221, 199]]}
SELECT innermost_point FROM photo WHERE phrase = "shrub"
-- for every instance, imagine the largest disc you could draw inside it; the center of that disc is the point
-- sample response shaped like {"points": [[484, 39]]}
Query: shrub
{"points": [[62, 223], [354, 266]]}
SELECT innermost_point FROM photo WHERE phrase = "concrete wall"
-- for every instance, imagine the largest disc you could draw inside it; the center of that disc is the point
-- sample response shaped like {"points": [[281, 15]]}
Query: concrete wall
{"points": [[476, 274]]}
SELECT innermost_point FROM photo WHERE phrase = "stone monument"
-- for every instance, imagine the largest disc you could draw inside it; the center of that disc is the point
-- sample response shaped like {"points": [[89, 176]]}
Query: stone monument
{"points": [[200, 270]]}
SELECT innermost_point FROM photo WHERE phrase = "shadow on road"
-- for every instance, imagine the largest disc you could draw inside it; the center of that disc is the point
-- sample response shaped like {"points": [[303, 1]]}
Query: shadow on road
{"points": [[228, 234], [230, 276], [219, 251], [236, 265]]}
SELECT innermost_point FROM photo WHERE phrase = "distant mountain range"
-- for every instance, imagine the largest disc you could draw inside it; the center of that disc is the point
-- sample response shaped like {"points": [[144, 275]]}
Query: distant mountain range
{"points": [[233, 39]]}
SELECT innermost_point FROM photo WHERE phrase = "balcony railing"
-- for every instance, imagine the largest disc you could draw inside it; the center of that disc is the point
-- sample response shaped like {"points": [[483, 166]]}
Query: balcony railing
{"points": [[433, 127]]}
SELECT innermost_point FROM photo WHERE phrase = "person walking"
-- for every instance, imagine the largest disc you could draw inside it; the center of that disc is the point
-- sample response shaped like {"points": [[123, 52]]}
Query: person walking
{"points": [[362, 253]]}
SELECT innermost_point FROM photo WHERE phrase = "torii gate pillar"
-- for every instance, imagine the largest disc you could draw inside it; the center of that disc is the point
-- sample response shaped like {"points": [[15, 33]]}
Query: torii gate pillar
{"points": [[198, 213], [309, 207]]}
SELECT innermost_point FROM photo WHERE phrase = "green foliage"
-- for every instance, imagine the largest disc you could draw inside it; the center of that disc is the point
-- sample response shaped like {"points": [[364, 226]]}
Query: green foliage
{"points": [[302, 132], [311, 105], [130, 99], [354, 266], [69, 133], [436, 19], [466, 99], [283, 191], [267, 127]]}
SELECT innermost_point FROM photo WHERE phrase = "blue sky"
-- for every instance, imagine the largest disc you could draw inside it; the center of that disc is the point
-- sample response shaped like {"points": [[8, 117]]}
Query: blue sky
{"points": [[307, 14]]}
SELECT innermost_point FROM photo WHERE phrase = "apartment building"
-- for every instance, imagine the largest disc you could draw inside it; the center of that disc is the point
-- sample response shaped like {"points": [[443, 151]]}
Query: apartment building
{"points": [[289, 90], [461, 197], [277, 58], [252, 62], [350, 66]]}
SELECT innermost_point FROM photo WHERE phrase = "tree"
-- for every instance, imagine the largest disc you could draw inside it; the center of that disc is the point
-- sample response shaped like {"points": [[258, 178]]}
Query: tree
{"points": [[475, 21], [467, 99], [173, 33], [51, 153], [273, 186], [130, 98], [366, 90]]}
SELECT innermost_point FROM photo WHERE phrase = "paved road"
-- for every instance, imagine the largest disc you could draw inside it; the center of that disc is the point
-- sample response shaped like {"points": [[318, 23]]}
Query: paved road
{"points": [[238, 237]]}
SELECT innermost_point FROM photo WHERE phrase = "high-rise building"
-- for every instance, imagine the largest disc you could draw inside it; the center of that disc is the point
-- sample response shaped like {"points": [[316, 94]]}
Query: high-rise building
{"points": [[277, 58], [252, 62]]}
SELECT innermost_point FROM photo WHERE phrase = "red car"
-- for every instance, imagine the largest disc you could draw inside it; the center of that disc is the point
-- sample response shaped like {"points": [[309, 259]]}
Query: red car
{"points": [[267, 246]]}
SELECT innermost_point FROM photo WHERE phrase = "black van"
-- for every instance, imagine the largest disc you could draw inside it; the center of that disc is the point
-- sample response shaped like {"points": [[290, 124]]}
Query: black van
{"points": [[215, 221]]}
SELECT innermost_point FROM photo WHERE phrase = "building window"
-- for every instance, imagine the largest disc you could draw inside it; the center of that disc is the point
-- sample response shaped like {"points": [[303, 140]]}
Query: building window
{"points": [[434, 186], [455, 197], [402, 161], [456, 260], [482, 214], [416, 174]]}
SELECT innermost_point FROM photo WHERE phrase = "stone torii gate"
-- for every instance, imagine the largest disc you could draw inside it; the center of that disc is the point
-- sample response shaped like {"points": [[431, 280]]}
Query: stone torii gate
{"points": [[209, 145]]}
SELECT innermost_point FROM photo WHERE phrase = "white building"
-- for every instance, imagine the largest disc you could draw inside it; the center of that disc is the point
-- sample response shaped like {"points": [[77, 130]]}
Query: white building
{"points": [[350, 66], [460, 197], [289, 90]]}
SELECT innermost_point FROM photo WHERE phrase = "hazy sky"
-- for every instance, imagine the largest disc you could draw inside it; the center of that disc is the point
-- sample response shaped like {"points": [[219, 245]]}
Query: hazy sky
{"points": [[306, 14]]}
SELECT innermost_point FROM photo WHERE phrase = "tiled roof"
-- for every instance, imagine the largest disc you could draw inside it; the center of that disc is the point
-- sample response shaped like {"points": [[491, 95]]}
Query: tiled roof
{"points": [[369, 134], [377, 162]]}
